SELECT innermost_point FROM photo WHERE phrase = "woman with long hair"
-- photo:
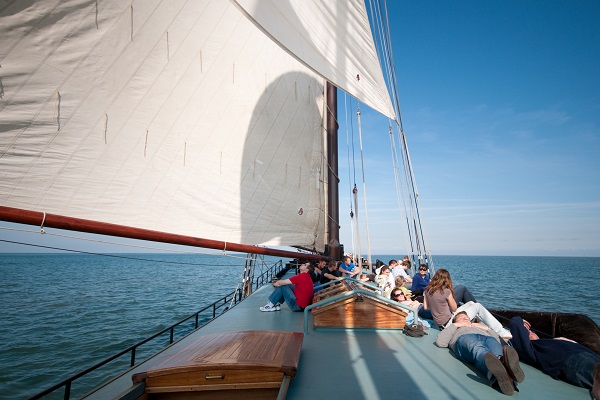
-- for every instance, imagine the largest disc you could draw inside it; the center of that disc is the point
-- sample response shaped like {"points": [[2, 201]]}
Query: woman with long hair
{"points": [[439, 299]]}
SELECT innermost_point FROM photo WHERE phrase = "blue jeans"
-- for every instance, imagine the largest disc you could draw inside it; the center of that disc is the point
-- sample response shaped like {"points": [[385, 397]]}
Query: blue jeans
{"points": [[423, 313], [463, 295], [285, 293], [578, 369], [473, 347]]}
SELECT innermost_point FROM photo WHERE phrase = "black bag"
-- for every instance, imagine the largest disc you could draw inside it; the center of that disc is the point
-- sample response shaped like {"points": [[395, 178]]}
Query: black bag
{"points": [[414, 330]]}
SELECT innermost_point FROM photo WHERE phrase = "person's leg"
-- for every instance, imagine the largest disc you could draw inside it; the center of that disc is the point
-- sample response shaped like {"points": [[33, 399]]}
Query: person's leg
{"points": [[277, 296], [463, 295], [423, 313], [290, 298], [596, 385], [473, 348], [579, 369], [510, 359], [477, 310]]}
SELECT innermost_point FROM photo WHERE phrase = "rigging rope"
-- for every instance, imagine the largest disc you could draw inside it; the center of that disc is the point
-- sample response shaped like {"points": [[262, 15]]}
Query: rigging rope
{"points": [[400, 155], [349, 170], [362, 160]]}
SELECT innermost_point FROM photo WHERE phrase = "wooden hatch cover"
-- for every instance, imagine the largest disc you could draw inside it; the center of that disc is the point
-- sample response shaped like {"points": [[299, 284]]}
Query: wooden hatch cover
{"points": [[245, 365], [356, 311]]}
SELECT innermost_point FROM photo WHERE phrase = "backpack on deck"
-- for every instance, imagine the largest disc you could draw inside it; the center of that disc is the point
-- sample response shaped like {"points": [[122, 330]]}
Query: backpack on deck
{"points": [[414, 330]]}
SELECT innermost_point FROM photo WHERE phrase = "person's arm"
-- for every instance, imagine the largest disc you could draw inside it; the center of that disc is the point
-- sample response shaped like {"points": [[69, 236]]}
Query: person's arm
{"points": [[480, 326], [564, 338], [282, 282], [330, 276], [520, 341], [452, 302], [425, 302], [445, 336]]}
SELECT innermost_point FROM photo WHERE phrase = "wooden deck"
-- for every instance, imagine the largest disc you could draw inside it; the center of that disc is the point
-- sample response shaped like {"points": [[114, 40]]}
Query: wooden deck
{"points": [[363, 363]]}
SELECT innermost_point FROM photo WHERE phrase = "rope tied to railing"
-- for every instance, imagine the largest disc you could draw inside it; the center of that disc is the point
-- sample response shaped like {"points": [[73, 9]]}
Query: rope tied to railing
{"points": [[42, 225]]}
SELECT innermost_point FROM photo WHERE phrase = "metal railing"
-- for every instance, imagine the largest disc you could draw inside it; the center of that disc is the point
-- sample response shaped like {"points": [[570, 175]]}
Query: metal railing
{"points": [[230, 299]]}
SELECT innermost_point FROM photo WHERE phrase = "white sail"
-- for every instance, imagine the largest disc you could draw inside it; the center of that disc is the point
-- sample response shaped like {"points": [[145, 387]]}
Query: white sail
{"points": [[331, 37], [176, 116]]}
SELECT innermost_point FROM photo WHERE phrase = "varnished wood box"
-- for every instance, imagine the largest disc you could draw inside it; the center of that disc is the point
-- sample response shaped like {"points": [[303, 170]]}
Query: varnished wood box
{"points": [[357, 311], [239, 365]]}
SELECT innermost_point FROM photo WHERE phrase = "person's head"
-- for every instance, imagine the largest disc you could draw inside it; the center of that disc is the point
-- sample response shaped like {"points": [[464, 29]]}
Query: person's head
{"points": [[398, 295], [332, 265], [304, 267], [322, 263], [461, 317], [392, 263], [406, 258], [399, 281], [423, 269], [346, 260], [441, 279], [385, 270]]}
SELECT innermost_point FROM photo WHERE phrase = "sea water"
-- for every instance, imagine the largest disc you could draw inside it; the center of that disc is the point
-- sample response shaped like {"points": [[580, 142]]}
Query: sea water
{"points": [[62, 313]]}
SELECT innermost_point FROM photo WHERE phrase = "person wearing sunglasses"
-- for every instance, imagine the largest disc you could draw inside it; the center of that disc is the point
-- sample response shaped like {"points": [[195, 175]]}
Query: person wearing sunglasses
{"points": [[401, 297], [420, 281]]}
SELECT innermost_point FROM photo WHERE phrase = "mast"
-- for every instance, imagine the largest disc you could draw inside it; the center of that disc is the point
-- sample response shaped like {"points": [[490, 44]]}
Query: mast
{"points": [[42, 220], [333, 204]]}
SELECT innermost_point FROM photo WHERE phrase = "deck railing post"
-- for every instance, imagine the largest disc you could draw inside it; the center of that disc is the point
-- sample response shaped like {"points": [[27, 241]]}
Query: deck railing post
{"points": [[132, 361], [67, 391]]}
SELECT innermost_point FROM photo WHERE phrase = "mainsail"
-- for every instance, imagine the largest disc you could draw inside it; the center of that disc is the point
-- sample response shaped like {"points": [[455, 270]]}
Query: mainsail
{"points": [[178, 116]]}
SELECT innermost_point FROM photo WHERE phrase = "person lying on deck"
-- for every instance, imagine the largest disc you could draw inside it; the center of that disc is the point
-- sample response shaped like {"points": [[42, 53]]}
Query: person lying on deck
{"points": [[401, 297], [561, 358], [477, 344], [297, 292], [439, 299]]}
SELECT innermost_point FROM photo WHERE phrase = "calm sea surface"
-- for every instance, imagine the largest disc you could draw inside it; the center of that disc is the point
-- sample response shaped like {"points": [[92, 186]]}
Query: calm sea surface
{"points": [[63, 313]]}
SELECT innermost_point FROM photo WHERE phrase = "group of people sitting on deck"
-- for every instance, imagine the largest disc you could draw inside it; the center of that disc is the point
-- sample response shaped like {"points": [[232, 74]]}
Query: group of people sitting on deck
{"points": [[472, 333]]}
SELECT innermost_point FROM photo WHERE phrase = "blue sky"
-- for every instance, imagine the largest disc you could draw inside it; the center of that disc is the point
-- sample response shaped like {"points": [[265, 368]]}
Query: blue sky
{"points": [[501, 107]]}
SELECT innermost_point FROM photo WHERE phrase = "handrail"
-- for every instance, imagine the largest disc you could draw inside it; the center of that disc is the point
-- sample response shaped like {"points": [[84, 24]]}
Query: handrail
{"points": [[233, 297], [350, 293]]}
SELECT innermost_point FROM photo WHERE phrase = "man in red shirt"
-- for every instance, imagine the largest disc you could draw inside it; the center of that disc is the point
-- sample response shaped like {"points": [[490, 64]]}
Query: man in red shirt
{"points": [[297, 292]]}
